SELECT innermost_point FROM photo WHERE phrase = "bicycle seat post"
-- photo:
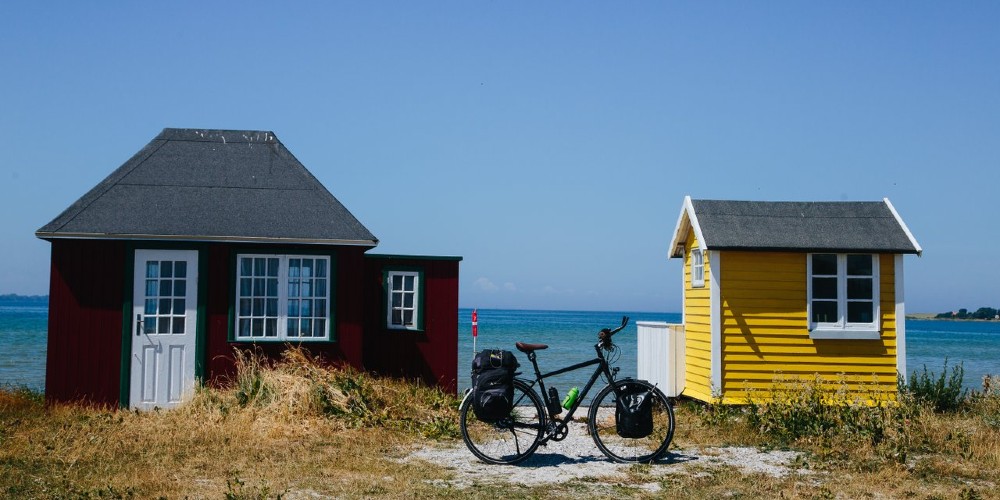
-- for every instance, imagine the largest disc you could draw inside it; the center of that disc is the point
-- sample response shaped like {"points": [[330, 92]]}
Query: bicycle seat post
{"points": [[532, 357]]}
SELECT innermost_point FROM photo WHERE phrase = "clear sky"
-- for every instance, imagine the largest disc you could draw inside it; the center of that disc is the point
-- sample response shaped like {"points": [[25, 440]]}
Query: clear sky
{"points": [[550, 144]]}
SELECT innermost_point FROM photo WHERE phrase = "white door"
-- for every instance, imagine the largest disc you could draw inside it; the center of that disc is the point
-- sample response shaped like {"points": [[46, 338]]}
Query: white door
{"points": [[164, 315]]}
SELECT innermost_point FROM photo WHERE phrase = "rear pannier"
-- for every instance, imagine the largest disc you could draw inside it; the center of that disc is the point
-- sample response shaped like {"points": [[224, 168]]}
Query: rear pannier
{"points": [[634, 411], [493, 384]]}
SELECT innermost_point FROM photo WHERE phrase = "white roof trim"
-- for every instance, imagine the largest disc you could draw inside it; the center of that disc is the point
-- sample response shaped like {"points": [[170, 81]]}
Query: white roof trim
{"points": [[680, 230], [902, 224]]}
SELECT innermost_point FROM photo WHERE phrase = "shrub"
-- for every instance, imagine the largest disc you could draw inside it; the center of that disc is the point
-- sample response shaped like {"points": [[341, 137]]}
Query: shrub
{"points": [[987, 403], [299, 385], [814, 408], [942, 393]]}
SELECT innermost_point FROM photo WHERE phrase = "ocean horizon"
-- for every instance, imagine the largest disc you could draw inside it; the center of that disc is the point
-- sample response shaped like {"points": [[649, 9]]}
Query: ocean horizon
{"points": [[570, 335]]}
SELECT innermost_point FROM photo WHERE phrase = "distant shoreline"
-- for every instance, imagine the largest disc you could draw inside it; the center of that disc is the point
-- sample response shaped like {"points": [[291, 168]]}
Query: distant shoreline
{"points": [[933, 317], [21, 300]]}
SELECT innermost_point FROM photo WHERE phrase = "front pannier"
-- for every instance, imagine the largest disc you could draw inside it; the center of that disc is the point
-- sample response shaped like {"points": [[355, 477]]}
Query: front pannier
{"points": [[634, 411], [493, 384]]}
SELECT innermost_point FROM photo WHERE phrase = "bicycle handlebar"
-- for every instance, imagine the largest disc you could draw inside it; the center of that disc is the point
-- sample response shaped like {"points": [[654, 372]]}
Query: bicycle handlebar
{"points": [[605, 334]]}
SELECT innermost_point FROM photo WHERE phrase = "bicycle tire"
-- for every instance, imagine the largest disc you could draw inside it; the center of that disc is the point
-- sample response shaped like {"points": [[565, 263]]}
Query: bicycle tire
{"points": [[601, 424], [512, 439]]}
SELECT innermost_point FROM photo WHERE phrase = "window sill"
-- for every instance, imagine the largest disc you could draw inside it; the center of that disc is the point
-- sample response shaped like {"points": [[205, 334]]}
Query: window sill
{"points": [[278, 341], [404, 330], [843, 334]]}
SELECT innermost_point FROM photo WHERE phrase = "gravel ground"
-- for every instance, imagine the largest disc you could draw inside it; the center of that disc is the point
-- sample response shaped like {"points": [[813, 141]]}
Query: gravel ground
{"points": [[577, 457]]}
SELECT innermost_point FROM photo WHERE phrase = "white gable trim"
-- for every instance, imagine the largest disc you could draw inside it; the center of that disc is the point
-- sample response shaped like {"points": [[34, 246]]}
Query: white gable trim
{"points": [[687, 218], [902, 224]]}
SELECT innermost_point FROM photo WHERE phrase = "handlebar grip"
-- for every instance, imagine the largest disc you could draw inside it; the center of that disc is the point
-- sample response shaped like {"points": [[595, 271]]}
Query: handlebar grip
{"points": [[607, 333]]}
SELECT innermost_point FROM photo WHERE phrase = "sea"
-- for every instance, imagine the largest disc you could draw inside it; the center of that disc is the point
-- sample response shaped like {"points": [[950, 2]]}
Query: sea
{"points": [[570, 335]]}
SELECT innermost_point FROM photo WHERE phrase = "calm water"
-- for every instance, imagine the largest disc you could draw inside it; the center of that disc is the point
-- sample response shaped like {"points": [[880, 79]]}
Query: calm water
{"points": [[22, 345], [570, 336]]}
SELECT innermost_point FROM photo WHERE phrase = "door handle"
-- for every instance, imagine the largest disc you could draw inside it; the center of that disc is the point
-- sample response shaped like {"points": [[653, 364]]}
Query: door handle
{"points": [[138, 325]]}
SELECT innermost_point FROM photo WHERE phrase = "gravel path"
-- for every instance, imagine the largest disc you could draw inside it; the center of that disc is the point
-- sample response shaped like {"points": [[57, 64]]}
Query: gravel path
{"points": [[577, 457]]}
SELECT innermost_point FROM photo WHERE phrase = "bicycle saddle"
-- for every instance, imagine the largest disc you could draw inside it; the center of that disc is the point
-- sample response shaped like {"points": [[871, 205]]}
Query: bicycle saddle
{"points": [[526, 348]]}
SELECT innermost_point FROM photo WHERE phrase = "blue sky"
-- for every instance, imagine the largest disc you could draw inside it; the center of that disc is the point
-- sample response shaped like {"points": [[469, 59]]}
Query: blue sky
{"points": [[548, 143]]}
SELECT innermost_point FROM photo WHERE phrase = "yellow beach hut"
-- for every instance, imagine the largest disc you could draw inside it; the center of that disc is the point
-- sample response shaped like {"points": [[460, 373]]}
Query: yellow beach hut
{"points": [[779, 290]]}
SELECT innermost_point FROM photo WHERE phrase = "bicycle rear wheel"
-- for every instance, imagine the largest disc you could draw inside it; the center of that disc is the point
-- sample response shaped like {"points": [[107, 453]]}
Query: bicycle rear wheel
{"points": [[510, 440], [602, 424]]}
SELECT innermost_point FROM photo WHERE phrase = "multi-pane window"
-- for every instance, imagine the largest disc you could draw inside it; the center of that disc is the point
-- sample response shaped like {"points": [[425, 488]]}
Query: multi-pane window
{"points": [[403, 289], [843, 291], [697, 267], [166, 291], [283, 297]]}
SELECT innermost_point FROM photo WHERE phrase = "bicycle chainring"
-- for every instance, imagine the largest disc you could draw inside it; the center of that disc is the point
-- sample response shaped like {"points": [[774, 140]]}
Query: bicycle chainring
{"points": [[557, 431]]}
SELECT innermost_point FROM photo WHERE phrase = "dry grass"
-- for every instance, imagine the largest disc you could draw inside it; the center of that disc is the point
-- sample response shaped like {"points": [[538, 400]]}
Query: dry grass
{"points": [[901, 449], [299, 429], [295, 426]]}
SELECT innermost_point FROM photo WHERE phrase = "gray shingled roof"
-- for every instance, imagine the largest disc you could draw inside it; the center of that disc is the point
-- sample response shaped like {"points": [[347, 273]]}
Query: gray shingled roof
{"points": [[873, 227], [207, 185]]}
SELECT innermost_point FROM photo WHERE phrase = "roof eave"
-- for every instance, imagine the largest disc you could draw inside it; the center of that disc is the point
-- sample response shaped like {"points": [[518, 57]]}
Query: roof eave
{"points": [[192, 238], [891, 251]]}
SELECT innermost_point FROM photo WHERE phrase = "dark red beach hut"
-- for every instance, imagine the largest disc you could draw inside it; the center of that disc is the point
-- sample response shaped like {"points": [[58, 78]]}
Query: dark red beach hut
{"points": [[210, 240]]}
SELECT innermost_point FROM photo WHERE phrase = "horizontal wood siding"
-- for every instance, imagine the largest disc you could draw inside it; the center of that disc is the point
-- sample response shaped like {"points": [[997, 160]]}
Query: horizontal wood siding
{"points": [[430, 355], [765, 329], [83, 360], [697, 330]]}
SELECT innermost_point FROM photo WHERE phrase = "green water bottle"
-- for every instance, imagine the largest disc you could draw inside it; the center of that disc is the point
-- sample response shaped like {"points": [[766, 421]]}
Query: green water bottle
{"points": [[570, 398]]}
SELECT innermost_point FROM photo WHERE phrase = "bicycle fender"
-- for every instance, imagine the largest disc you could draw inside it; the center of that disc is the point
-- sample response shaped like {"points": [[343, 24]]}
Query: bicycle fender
{"points": [[468, 394]]}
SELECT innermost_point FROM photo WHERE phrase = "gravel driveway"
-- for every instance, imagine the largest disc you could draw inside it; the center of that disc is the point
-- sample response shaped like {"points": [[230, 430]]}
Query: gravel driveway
{"points": [[577, 457]]}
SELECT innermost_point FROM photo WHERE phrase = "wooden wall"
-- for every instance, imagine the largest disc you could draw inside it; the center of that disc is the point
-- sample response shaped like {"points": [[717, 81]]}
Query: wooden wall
{"points": [[86, 286], [87, 294], [348, 327], [697, 328], [765, 329], [430, 355]]}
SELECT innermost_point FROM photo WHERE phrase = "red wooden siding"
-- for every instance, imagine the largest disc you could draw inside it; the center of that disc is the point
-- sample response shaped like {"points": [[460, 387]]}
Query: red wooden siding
{"points": [[86, 290], [430, 355], [87, 294], [348, 262]]}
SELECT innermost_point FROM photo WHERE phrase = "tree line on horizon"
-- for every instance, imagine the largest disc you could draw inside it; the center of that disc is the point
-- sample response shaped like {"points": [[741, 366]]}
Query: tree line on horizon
{"points": [[981, 313]]}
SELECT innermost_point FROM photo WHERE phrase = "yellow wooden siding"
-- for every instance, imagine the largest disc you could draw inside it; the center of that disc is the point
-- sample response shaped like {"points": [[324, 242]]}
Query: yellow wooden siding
{"points": [[765, 332], [697, 330]]}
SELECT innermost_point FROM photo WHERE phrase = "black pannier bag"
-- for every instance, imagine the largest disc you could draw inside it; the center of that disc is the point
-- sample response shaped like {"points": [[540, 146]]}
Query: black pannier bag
{"points": [[493, 384], [634, 411]]}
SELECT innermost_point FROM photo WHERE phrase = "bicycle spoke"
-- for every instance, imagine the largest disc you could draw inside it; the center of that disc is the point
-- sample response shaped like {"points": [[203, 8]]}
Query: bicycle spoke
{"points": [[604, 429], [511, 440]]}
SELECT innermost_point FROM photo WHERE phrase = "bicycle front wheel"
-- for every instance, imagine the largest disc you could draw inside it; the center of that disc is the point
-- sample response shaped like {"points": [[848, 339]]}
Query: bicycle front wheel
{"points": [[603, 424], [510, 440]]}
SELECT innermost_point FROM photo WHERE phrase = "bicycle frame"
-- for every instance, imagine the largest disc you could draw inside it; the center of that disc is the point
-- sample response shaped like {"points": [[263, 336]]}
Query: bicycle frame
{"points": [[602, 369]]}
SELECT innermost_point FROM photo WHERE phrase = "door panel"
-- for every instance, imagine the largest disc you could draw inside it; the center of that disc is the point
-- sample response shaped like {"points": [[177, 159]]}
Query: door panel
{"points": [[164, 327]]}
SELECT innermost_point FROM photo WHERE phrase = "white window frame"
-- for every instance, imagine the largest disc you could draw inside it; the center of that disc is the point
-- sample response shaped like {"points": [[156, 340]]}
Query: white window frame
{"points": [[414, 307], [283, 298], [697, 268], [842, 329]]}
